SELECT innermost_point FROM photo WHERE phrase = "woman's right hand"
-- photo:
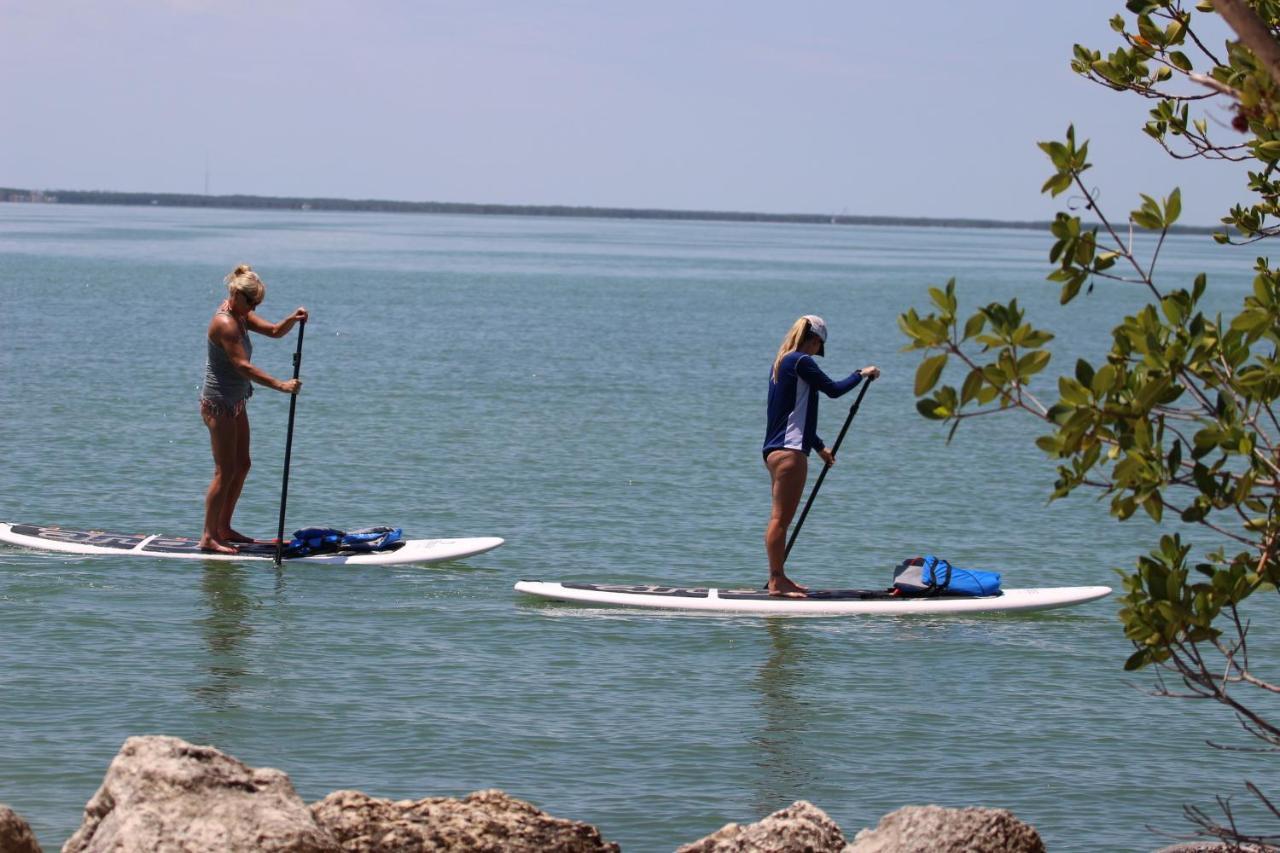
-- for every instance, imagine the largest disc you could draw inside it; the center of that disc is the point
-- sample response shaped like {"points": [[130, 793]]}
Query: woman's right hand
{"points": [[291, 386], [870, 371]]}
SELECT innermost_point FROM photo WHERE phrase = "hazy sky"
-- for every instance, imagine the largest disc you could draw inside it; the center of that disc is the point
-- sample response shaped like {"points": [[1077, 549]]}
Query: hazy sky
{"points": [[930, 108]]}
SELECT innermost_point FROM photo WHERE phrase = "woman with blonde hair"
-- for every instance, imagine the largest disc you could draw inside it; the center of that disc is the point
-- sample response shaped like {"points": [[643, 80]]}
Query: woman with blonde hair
{"points": [[227, 385], [792, 432]]}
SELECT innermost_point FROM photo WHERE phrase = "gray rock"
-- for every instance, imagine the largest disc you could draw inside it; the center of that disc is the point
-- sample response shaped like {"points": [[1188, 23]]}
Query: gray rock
{"points": [[488, 821], [163, 794], [801, 827], [933, 829], [15, 833]]}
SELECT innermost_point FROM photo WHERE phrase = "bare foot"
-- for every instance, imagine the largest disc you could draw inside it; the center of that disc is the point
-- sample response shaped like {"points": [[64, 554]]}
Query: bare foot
{"points": [[213, 546], [230, 535], [784, 587], [769, 585]]}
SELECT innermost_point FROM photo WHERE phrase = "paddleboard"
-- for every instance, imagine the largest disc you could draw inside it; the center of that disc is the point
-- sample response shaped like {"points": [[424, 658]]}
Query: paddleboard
{"points": [[819, 602], [99, 542]]}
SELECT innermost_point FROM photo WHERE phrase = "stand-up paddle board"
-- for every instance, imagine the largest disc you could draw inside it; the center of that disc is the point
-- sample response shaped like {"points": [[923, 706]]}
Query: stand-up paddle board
{"points": [[819, 602], [138, 545]]}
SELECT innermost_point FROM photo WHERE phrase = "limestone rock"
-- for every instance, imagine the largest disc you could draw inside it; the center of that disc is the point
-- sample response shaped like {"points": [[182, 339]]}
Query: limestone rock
{"points": [[933, 829], [164, 794], [488, 821], [801, 827], [15, 833]]}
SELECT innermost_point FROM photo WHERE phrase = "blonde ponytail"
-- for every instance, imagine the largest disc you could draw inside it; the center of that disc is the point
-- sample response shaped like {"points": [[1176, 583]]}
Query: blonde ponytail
{"points": [[791, 342]]}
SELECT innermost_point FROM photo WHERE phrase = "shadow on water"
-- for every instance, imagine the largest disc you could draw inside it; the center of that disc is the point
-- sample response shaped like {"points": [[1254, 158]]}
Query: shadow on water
{"points": [[225, 630], [785, 771]]}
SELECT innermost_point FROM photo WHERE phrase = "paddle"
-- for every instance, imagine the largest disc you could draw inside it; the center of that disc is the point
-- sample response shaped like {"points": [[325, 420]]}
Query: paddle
{"points": [[288, 443], [853, 410]]}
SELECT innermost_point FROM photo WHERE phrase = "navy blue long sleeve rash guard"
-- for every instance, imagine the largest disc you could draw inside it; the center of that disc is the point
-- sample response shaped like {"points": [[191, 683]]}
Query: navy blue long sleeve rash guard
{"points": [[793, 403]]}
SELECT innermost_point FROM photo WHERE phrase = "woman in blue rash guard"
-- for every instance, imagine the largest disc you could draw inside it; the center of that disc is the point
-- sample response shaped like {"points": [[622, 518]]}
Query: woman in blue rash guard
{"points": [[792, 432]]}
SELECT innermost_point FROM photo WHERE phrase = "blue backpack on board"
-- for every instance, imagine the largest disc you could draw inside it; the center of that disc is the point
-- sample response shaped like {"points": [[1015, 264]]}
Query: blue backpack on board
{"points": [[930, 575], [369, 539], [329, 540]]}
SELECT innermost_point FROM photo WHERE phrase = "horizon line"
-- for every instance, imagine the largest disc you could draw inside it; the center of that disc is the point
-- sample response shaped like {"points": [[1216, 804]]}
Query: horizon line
{"points": [[326, 203]]}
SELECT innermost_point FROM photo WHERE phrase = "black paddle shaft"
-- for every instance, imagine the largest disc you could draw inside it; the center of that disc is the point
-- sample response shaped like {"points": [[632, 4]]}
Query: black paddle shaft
{"points": [[853, 410], [288, 443]]}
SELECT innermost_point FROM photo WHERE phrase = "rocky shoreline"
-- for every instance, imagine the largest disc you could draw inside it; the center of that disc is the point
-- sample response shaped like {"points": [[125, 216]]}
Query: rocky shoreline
{"points": [[164, 794]]}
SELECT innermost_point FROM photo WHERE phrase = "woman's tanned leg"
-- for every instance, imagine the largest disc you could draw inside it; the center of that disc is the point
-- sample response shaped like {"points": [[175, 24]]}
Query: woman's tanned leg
{"points": [[787, 470], [222, 440]]}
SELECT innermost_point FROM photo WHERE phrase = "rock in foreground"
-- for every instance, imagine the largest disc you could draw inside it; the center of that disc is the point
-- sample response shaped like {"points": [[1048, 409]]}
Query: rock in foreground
{"points": [[15, 833], [488, 821], [933, 829], [801, 827], [162, 793]]}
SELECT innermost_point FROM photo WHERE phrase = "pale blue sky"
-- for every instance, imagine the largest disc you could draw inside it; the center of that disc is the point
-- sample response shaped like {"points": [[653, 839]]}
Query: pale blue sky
{"points": [[916, 109]]}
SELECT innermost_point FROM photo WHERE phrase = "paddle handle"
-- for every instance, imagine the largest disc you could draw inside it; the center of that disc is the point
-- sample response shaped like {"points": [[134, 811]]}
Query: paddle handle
{"points": [[288, 444], [853, 410]]}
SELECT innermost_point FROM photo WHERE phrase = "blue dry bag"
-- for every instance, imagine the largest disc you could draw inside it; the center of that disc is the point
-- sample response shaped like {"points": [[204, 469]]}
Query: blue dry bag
{"points": [[372, 539], [930, 575], [329, 540]]}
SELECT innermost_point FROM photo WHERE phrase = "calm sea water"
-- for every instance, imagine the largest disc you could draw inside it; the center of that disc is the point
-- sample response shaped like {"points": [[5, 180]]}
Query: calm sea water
{"points": [[593, 391]]}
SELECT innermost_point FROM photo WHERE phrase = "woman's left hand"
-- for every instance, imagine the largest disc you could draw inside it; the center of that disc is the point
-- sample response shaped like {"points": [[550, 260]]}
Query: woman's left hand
{"points": [[827, 456], [300, 314]]}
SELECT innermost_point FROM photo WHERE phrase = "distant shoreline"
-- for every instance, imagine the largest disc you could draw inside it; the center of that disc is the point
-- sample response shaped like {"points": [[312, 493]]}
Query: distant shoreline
{"points": [[255, 202]]}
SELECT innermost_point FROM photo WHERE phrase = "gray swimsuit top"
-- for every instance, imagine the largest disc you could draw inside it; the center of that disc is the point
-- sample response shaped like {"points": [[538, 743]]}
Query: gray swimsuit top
{"points": [[222, 382]]}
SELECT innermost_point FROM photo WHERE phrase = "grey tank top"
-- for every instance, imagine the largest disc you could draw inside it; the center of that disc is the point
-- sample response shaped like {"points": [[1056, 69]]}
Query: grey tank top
{"points": [[222, 382]]}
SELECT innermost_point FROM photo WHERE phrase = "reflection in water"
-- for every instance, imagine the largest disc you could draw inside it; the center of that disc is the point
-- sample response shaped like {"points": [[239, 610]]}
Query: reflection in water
{"points": [[225, 629], [786, 773]]}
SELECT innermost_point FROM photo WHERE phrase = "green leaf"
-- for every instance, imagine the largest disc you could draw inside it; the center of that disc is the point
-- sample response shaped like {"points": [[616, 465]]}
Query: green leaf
{"points": [[1137, 660], [1084, 372], [1250, 320], [1072, 391], [928, 372], [1103, 380], [972, 384], [1173, 206], [974, 325], [945, 300], [1032, 363], [1145, 219], [932, 409], [1057, 184], [1072, 288], [1057, 153], [1269, 151], [1154, 508]]}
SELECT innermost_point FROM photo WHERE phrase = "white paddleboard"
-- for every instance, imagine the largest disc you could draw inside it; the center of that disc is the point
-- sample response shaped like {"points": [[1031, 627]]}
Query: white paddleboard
{"points": [[69, 541], [819, 602]]}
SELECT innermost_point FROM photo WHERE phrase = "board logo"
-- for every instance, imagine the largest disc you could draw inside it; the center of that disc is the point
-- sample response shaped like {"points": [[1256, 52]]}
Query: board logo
{"points": [[171, 544], [641, 589], [80, 537]]}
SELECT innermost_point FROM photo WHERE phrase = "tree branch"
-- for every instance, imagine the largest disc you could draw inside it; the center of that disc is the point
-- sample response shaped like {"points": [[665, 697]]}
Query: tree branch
{"points": [[1255, 34]]}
